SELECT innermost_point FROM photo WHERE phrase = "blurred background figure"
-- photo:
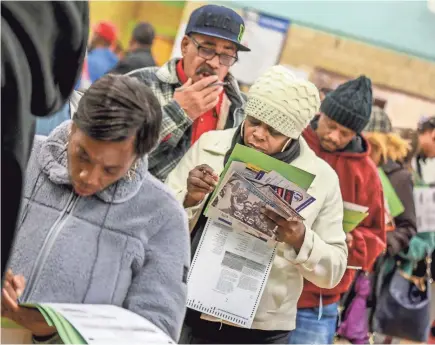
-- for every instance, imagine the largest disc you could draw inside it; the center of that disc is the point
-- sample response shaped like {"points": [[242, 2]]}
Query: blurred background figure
{"points": [[119, 50], [46, 124], [411, 137], [101, 56], [426, 137], [323, 92], [389, 151], [43, 45], [139, 54]]}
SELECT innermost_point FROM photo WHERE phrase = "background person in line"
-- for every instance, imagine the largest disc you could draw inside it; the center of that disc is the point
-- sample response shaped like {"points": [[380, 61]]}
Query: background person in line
{"points": [[335, 136], [279, 107], [388, 151], [426, 144], [117, 235], [101, 57], [139, 54], [210, 47]]}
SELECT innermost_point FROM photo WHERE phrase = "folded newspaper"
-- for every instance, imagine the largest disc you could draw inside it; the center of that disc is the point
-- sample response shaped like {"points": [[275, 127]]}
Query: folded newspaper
{"points": [[246, 188], [90, 324]]}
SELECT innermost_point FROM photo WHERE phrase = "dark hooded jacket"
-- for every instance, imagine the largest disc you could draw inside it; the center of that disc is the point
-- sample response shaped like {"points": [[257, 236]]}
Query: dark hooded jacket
{"points": [[406, 222]]}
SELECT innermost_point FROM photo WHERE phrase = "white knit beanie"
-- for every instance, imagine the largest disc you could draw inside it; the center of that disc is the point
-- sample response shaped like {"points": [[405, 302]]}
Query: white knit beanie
{"points": [[282, 101]]}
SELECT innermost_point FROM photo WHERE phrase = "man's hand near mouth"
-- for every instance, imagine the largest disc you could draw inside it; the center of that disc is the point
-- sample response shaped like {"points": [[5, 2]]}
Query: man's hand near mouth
{"points": [[198, 98]]}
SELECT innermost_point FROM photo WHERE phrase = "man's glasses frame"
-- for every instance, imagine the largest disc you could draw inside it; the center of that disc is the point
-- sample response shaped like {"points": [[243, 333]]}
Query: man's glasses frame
{"points": [[209, 54]]}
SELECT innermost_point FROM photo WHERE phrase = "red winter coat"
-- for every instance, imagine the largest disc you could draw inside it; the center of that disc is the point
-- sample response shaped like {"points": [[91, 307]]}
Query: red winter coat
{"points": [[360, 184]]}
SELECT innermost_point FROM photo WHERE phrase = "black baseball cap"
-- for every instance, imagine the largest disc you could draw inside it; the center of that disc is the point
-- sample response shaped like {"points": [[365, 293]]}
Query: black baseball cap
{"points": [[218, 21]]}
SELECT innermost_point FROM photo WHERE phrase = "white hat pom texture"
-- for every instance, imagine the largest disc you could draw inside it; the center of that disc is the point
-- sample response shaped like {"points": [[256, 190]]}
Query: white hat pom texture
{"points": [[282, 101]]}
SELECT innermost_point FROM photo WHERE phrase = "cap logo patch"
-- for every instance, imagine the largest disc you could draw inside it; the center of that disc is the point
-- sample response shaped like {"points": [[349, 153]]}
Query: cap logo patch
{"points": [[216, 21], [241, 31]]}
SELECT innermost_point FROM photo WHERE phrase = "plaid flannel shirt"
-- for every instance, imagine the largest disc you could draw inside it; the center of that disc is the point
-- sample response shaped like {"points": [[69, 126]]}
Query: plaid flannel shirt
{"points": [[175, 134]]}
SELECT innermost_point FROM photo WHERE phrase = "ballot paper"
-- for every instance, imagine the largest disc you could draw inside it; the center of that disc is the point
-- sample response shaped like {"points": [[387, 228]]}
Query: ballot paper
{"points": [[228, 274]]}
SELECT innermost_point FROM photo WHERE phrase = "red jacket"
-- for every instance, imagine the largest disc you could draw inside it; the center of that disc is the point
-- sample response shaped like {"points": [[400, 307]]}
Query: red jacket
{"points": [[360, 184]]}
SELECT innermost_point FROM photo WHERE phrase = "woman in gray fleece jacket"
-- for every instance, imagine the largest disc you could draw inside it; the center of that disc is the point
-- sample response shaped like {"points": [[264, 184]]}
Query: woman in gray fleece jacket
{"points": [[95, 226]]}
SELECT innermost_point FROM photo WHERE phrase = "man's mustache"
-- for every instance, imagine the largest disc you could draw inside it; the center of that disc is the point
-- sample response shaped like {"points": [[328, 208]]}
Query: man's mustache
{"points": [[205, 69]]}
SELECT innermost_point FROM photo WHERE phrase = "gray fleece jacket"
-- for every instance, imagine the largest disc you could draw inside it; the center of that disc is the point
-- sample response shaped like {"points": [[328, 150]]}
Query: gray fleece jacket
{"points": [[128, 245]]}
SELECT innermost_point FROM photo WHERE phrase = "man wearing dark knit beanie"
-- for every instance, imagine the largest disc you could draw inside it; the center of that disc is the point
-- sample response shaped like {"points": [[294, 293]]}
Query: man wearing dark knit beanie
{"points": [[335, 136]]}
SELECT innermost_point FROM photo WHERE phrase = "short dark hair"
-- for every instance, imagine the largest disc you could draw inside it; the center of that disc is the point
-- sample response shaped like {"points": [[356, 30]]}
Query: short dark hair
{"points": [[116, 107], [426, 125], [143, 33]]}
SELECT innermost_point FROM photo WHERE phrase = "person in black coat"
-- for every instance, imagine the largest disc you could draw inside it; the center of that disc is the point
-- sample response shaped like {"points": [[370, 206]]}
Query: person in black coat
{"points": [[389, 151], [139, 55], [43, 44]]}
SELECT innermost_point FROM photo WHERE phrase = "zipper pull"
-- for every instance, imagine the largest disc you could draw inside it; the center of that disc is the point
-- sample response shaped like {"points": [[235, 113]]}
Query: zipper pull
{"points": [[71, 204]]}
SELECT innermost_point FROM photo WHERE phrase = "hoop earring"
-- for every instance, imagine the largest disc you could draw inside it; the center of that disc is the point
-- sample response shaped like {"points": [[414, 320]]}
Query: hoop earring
{"points": [[242, 126], [131, 173], [286, 145]]}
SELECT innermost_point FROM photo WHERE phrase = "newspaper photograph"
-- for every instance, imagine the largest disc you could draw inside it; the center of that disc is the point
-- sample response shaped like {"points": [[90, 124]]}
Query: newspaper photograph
{"points": [[293, 195], [238, 204]]}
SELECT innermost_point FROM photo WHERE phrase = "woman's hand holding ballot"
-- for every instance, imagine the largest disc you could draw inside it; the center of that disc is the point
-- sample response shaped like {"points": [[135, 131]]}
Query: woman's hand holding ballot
{"points": [[13, 287], [201, 181], [290, 231]]}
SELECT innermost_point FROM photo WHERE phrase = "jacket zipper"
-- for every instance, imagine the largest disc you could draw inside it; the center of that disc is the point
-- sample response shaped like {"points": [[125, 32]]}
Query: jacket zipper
{"points": [[48, 244]]}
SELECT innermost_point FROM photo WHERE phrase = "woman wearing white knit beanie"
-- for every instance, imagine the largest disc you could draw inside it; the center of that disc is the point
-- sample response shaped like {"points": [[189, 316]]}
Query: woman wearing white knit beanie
{"points": [[278, 109]]}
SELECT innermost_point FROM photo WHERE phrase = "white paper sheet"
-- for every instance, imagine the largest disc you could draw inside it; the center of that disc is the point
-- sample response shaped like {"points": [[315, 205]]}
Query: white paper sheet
{"points": [[228, 274], [265, 35], [105, 324], [424, 198]]}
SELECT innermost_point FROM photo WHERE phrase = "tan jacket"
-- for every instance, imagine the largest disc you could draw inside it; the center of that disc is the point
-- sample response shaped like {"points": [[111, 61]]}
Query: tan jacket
{"points": [[323, 256]]}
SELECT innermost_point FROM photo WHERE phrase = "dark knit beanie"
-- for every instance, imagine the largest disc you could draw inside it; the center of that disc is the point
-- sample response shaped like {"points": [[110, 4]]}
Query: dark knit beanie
{"points": [[350, 104]]}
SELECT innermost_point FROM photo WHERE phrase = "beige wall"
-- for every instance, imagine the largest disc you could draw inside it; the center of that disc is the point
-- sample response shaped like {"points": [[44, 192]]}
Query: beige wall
{"points": [[404, 110], [306, 46]]}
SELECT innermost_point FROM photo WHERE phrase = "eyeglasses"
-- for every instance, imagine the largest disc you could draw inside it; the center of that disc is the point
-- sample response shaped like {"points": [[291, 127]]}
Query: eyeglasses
{"points": [[208, 54]]}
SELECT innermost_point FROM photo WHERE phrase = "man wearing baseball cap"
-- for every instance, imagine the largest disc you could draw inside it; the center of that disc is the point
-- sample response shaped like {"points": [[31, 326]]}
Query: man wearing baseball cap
{"points": [[191, 104], [101, 57]]}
